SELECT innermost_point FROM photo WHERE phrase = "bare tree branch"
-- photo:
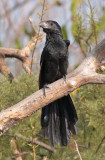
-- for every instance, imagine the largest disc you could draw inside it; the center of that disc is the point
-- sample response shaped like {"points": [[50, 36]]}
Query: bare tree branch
{"points": [[17, 155], [18, 4], [84, 74], [23, 55], [38, 34], [37, 142], [77, 149], [100, 144]]}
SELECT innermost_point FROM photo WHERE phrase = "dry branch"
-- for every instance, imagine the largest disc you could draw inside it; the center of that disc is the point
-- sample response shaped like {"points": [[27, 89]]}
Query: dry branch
{"points": [[99, 146], [15, 150], [36, 142], [30, 140], [77, 149], [22, 54], [84, 74]]}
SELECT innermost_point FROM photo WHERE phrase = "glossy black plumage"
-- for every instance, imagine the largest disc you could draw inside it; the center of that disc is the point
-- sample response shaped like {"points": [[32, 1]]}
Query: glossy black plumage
{"points": [[59, 118]]}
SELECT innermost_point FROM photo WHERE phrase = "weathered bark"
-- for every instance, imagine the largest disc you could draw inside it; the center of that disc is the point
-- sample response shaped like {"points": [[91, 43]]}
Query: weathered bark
{"points": [[22, 54], [84, 74]]}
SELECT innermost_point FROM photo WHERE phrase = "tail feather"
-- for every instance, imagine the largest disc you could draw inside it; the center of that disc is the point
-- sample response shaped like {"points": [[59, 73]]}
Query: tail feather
{"points": [[54, 124], [58, 119], [64, 123], [44, 120], [73, 128], [57, 123], [51, 126], [68, 103], [64, 127]]}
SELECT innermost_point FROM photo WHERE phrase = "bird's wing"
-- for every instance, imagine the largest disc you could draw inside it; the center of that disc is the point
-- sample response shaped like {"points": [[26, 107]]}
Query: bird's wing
{"points": [[41, 71]]}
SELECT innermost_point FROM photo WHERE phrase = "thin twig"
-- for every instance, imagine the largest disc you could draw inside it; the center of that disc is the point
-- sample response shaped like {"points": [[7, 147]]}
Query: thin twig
{"points": [[18, 4], [82, 51], [93, 22], [77, 149], [8, 17], [87, 40], [32, 23], [19, 154], [82, 146], [100, 144], [42, 10], [33, 141], [33, 148], [38, 34]]}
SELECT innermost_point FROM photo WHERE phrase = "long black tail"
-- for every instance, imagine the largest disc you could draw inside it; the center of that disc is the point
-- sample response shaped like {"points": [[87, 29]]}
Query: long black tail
{"points": [[58, 119]]}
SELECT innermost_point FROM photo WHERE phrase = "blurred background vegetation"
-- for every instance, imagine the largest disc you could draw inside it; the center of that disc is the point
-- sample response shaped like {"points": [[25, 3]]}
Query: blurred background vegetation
{"points": [[82, 22]]}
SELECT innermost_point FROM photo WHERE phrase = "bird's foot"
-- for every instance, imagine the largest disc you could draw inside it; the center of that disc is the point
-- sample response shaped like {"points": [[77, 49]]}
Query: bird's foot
{"points": [[44, 87]]}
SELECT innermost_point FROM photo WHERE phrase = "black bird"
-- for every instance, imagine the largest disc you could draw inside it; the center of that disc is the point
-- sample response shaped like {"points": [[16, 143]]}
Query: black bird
{"points": [[58, 118]]}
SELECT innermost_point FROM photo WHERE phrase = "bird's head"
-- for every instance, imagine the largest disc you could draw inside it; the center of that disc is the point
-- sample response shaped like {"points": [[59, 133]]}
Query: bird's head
{"points": [[50, 27]]}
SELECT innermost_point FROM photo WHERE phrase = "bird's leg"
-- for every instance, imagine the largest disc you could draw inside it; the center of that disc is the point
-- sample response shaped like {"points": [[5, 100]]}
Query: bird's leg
{"points": [[64, 77], [44, 87]]}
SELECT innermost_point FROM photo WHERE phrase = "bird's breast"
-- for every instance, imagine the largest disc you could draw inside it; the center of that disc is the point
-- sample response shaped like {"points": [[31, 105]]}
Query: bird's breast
{"points": [[56, 50]]}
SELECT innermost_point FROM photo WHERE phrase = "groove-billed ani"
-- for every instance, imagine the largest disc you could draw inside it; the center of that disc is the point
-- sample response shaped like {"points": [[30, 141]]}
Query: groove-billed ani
{"points": [[58, 118]]}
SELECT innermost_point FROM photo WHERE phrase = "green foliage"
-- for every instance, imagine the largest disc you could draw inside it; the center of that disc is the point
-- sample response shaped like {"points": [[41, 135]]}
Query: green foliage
{"points": [[10, 94], [29, 33], [100, 24], [17, 43], [85, 26], [64, 31], [91, 110], [75, 5], [78, 29]]}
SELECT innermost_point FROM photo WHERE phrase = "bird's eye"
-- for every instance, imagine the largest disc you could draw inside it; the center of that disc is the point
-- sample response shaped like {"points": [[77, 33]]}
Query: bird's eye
{"points": [[51, 24]]}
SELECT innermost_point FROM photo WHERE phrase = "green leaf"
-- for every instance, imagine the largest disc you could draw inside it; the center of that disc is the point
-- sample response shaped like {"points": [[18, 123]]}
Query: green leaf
{"points": [[64, 31]]}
